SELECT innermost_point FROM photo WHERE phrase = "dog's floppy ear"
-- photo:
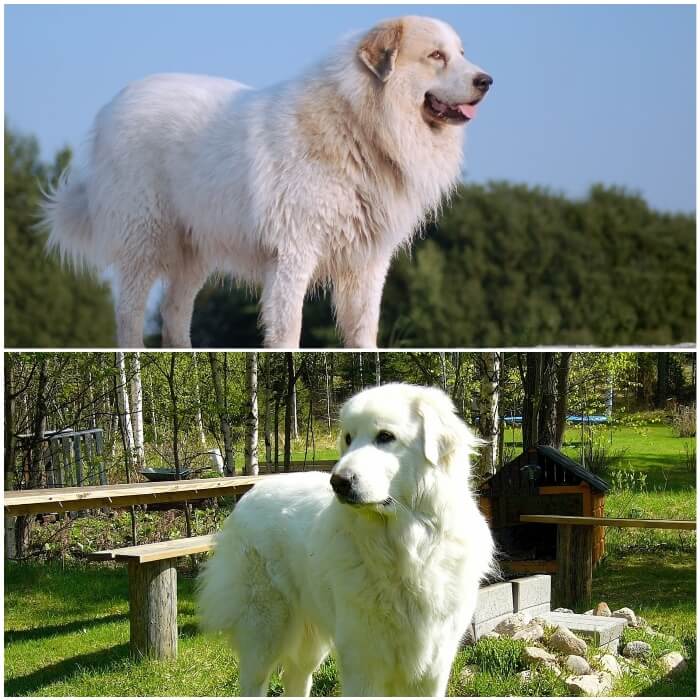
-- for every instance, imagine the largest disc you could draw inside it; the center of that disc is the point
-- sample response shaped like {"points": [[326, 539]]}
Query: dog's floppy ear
{"points": [[379, 48], [444, 434]]}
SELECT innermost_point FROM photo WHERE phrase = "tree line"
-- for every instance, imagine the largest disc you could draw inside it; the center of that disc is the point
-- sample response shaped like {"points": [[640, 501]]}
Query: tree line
{"points": [[505, 265], [242, 410]]}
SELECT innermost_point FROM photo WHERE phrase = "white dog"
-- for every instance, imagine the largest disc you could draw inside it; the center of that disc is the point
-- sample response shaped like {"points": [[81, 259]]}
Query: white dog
{"points": [[311, 182], [381, 561]]}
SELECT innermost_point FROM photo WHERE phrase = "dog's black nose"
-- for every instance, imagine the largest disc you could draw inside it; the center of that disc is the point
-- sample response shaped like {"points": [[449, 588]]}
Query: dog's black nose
{"points": [[342, 485], [483, 81]]}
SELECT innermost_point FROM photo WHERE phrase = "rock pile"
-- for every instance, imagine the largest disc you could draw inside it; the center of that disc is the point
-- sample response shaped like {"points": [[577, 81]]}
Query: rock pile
{"points": [[567, 655]]}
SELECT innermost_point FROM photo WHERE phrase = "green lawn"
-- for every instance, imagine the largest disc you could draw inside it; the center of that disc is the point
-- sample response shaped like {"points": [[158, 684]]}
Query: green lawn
{"points": [[652, 449], [67, 633]]}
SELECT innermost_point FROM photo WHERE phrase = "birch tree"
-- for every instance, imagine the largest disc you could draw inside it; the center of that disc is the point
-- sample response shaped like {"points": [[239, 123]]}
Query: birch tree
{"points": [[221, 410], [123, 405], [490, 370], [251, 423], [198, 403], [137, 409]]}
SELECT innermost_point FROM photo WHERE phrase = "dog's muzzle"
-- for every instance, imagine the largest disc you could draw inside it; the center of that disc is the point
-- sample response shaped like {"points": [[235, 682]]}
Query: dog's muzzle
{"points": [[345, 488]]}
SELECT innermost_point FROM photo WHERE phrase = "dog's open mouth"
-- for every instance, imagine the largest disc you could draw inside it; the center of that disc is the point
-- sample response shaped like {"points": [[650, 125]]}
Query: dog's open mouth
{"points": [[439, 111]]}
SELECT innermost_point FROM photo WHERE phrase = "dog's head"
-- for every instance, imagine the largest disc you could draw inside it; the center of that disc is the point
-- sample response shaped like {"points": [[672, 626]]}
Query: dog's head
{"points": [[423, 59], [395, 442]]}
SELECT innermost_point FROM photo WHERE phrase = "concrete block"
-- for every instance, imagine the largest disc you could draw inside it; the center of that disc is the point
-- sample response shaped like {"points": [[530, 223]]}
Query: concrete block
{"points": [[493, 601], [537, 610], [531, 590], [599, 631]]}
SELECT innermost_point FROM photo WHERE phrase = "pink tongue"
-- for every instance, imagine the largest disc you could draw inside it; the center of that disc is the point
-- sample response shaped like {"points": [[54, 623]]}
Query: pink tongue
{"points": [[469, 111]]}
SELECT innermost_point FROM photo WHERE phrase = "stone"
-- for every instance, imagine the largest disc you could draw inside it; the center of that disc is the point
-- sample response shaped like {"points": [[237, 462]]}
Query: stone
{"points": [[626, 614], [588, 612], [532, 632], [563, 610], [531, 591], [589, 684], [641, 622], [512, 624], [577, 665], [565, 641], [525, 676], [467, 673], [602, 610], [606, 682], [636, 650], [610, 664], [491, 635], [541, 621], [673, 663], [536, 655], [602, 632], [582, 685]]}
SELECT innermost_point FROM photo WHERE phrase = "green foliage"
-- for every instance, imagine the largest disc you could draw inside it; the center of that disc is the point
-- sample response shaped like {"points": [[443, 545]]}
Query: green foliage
{"points": [[519, 266], [45, 304], [500, 657]]}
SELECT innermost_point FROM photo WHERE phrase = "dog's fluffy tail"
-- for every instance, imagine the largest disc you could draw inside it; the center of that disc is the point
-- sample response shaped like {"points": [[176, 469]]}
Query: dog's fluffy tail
{"points": [[66, 217]]}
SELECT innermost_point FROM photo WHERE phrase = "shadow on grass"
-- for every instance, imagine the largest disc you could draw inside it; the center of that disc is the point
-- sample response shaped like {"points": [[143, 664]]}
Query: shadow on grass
{"points": [[61, 671], [681, 686], [66, 628]]}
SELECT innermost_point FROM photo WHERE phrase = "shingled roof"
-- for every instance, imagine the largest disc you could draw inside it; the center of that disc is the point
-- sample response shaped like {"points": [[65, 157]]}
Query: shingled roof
{"points": [[560, 460], [567, 463]]}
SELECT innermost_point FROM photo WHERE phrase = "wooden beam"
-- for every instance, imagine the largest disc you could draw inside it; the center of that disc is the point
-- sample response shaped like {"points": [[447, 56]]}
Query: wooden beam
{"points": [[159, 551], [574, 580], [123, 495], [609, 522]]}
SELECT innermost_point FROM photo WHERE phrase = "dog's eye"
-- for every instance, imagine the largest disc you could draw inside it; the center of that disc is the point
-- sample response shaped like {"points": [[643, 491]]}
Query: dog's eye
{"points": [[384, 436], [438, 56], [348, 439]]}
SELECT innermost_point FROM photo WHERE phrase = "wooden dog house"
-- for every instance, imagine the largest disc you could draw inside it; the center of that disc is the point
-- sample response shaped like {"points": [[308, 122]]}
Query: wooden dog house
{"points": [[540, 481]]}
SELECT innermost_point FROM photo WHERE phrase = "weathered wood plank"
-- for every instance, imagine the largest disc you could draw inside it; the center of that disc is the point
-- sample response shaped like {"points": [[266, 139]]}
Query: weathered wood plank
{"points": [[610, 522], [120, 495], [160, 551]]}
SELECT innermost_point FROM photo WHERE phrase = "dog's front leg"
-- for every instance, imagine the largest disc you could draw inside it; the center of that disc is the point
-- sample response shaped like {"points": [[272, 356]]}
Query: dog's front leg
{"points": [[286, 281], [357, 296]]}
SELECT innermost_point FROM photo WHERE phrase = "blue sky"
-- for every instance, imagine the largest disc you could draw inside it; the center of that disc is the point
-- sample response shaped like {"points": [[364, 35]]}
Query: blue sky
{"points": [[582, 93]]}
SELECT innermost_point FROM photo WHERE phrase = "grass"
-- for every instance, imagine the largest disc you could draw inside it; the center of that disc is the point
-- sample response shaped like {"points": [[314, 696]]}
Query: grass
{"points": [[652, 449], [67, 632]]}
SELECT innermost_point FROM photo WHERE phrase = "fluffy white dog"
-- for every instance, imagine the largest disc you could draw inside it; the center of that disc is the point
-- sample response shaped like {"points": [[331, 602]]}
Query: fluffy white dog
{"points": [[381, 561], [316, 181]]}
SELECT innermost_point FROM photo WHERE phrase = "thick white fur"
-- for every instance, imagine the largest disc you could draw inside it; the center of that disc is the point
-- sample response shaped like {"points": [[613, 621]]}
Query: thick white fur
{"points": [[390, 584], [313, 181]]}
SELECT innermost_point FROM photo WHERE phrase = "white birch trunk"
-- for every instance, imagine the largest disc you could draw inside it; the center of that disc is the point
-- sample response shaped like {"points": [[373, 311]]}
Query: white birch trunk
{"points": [[488, 410], [198, 403], [251, 424], [295, 420], [328, 392], [137, 410], [123, 406]]}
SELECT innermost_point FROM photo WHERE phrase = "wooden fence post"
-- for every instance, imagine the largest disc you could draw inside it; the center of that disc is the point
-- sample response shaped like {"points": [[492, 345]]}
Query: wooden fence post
{"points": [[574, 578], [153, 609]]}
